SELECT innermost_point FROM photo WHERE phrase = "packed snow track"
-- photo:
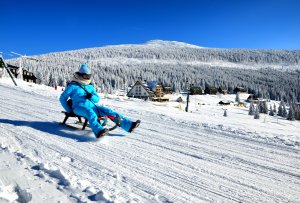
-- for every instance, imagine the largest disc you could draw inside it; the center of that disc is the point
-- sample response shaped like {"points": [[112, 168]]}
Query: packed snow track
{"points": [[169, 158]]}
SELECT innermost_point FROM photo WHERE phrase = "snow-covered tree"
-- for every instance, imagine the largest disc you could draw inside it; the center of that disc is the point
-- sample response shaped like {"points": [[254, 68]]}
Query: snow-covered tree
{"points": [[291, 114], [263, 108], [256, 113], [251, 109], [284, 111], [237, 97], [280, 109], [271, 113], [225, 113], [274, 109], [297, 111]]}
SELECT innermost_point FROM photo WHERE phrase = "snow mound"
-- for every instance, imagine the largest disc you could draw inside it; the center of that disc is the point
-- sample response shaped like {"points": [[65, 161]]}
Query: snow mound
{"points": [[54, 173]]}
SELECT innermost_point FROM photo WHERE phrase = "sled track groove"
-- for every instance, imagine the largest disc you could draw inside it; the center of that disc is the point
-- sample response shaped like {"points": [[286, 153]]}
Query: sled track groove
{"points": [[164, 157]]}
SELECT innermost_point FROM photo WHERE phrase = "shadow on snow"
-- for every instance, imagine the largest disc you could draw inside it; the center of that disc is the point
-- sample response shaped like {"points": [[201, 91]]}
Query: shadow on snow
{"points": [[53, 128]]}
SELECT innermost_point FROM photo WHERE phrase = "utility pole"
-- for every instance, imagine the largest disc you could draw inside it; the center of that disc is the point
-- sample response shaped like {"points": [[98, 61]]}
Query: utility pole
{"points": [[188, 96], [3, 65]]}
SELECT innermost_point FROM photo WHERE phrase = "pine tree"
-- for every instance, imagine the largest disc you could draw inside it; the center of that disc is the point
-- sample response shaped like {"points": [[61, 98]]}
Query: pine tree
{"points": [[225, 113], [274, 109], [280, 109], [260, 104], [256, 114], [291, 114], [297, 111], [237, 97], [251, 109], [271, 113], [265, 107], [284, 111]]}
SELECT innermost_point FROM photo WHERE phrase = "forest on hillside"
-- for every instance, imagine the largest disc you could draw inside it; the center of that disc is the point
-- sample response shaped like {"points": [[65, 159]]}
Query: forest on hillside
{"points": [[117, 67]]}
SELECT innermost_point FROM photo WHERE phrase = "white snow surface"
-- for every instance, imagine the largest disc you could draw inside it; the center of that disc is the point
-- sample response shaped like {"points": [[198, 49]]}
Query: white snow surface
{"points": [[160, 44], [174, 156]]}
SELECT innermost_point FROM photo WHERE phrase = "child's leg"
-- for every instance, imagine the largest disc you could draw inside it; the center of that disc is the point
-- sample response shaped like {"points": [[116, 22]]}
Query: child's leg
{"points": [[125, 123], [92, 118]]}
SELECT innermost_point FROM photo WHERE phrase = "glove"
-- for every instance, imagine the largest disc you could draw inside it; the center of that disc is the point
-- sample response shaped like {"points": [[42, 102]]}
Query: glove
{"points": [[88, 95]]}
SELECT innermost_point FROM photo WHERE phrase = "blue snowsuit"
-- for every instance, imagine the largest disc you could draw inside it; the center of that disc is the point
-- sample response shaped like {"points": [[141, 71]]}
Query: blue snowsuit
{"points": [[89, 108]]}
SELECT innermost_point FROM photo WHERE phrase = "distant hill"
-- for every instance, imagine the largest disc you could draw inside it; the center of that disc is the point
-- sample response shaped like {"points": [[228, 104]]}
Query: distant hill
{"points": [[267, 73]]}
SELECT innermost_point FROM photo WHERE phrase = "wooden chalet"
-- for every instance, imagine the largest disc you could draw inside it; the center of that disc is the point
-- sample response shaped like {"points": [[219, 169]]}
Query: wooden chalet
{"points": [[159, 91], [30, 77], [159, 94], [26, 75], [140, 91], [14, 70]]}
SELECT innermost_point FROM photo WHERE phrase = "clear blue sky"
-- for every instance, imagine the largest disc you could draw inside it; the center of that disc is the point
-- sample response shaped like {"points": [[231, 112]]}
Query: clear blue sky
{"points": [[41, 26]]}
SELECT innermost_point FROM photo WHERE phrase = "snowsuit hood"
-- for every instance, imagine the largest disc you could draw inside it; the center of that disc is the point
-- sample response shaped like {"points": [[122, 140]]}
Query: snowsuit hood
{"points": [[78, 78]]}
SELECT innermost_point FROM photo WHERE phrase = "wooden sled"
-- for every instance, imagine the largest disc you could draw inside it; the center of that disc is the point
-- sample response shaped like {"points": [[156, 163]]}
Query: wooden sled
{"points": [[102, 120]]}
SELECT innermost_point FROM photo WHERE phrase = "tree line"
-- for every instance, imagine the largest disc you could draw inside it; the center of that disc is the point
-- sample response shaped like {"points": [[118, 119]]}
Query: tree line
{"points": [[273, 74], [291, 113]]}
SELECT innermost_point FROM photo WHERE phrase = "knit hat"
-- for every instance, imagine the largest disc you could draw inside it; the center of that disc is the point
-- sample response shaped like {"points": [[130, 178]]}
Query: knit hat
{"points": [[84, 69]]}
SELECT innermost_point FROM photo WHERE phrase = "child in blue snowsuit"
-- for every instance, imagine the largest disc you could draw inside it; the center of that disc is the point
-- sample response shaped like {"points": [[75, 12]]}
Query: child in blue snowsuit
{"points": [[84, 103]]}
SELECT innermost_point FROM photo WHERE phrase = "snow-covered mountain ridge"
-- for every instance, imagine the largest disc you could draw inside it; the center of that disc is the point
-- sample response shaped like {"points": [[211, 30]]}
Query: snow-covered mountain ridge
{"points": [[159, 44], [180, 51], [171, 43]]}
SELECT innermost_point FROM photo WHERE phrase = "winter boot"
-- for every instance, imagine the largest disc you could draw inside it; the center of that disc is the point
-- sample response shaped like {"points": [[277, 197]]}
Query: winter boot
{"points": [[102, 133], [134, 125]]}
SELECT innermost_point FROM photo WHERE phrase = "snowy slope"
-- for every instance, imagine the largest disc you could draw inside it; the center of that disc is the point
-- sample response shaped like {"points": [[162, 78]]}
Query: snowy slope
{"points": [[174, 156], [162, 52]]}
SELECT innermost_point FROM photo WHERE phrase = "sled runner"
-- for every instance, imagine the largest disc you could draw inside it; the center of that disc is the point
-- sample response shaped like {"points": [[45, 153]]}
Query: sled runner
{"points": [[102, 120]]}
